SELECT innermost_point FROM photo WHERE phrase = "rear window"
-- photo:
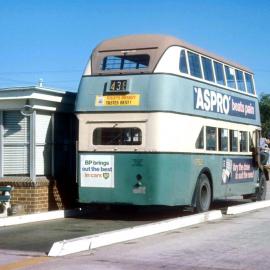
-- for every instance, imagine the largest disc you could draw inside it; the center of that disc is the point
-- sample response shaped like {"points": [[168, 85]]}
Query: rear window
{"points": [[125, 62], [117, 136]]}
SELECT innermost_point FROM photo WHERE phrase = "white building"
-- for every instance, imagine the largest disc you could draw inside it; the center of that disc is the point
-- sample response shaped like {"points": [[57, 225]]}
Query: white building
{"points": [[41, 144]]}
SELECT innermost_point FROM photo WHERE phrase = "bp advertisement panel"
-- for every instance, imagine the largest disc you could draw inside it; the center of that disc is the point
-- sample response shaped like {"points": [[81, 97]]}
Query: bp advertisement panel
{"points": [[97, 171]]}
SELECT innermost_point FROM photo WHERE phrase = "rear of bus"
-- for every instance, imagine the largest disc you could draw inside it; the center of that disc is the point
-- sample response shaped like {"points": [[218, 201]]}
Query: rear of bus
{"points": [[121, 155]]}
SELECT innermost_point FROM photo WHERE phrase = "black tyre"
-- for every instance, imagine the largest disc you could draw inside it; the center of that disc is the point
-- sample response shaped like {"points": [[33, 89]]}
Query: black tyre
{"points": [[262, 188], [203, 194]]}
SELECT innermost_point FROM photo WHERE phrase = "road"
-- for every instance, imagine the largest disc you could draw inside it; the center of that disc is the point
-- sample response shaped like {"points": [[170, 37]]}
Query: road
{"points": [[238, 242]]}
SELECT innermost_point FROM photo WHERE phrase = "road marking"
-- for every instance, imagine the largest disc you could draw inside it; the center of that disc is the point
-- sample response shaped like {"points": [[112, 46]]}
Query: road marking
{"points": [[24, 263]]}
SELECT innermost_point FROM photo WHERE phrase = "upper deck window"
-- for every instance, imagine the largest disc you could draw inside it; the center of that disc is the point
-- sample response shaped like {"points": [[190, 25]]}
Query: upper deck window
{"points": [[249, 83], [219, 73], [230, 75], [125, 62], [194, 65], [183, 62], [207, 69], [240, 80]]}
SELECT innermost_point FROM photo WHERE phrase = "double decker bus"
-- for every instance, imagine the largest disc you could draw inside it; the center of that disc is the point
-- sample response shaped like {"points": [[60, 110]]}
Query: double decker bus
{"points": [[162, 122]]}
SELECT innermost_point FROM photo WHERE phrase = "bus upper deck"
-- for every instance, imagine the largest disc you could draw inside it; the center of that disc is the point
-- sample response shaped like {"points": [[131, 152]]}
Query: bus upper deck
{"points": [[119, 77]]}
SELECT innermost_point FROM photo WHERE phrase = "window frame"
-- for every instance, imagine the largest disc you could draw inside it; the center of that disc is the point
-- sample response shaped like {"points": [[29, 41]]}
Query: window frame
{"points": [[200, 139], [214, 63], [247, 141], [226, 75], [207, 141], [231, 141], [237, 84], [200, 65], [252, 83], [122, 58], [211, 65], [220, 129], [121, 133], [186, 60]]}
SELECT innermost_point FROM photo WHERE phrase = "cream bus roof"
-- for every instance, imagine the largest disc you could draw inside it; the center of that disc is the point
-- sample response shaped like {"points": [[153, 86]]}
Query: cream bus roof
{"points": [[154, 45]]}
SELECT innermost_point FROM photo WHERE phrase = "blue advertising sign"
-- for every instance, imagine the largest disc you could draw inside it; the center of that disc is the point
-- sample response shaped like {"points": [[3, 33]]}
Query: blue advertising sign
{"points": [[212, 101], [237, 170]]}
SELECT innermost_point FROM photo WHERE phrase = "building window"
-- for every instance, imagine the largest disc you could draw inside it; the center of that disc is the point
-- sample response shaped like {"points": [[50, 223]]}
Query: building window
{"points": [[211, 138], [223, 139], [219, 73], [233, 140], [194, 65], [183, 62], [207, 69], [117, 136], [125, 62], [230, 76], [16, 143]]}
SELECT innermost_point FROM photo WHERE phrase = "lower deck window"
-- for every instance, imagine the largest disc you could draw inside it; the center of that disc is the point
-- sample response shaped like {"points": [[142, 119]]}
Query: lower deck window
{"points": [[211, 138], [117, 136], [200, 140], [223, 139], [233, 140], [243, 141]]}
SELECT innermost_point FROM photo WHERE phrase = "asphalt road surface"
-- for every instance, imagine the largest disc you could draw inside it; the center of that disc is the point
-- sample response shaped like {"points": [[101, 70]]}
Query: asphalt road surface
{"points": [[238, 242]]}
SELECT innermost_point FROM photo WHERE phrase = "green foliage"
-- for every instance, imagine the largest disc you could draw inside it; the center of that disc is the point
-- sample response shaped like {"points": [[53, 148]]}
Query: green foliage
{"points": [[264, 104]]}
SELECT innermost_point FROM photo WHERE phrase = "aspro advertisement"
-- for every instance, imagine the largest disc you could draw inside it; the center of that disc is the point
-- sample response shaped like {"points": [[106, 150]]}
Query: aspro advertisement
{"points": [[237, 170], [212, 101], [97, 171]]}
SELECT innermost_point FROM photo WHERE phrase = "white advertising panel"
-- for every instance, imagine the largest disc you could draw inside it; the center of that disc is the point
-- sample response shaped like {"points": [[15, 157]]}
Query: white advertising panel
{"points": [[97, 171]]}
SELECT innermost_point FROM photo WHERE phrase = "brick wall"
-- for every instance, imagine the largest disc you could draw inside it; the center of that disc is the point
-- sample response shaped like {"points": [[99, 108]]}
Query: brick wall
{"points": [[33, 197]]}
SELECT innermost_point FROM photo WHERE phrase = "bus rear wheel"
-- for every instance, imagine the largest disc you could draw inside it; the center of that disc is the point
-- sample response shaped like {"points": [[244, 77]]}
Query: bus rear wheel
{"points": [[203, 194]]}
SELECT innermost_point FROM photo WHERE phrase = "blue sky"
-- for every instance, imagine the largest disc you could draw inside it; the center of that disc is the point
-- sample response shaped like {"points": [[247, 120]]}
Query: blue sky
{"points": [[53, 39]]}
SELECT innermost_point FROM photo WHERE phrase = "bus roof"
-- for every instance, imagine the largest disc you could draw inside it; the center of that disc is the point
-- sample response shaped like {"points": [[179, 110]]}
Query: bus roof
{"points": [[154, 45]]}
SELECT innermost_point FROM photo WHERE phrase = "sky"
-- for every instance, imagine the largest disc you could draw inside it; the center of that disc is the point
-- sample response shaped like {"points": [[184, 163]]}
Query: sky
{"points": [[52, 40]]}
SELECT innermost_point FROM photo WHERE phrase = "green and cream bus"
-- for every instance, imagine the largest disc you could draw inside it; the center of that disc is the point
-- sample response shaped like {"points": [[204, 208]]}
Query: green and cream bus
{"points": [[162, 122]]}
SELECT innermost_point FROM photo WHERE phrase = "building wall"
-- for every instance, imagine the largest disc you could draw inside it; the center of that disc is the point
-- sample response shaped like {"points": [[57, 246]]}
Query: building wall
{"points": [[32, 197], [38, 152], [39, 160]]}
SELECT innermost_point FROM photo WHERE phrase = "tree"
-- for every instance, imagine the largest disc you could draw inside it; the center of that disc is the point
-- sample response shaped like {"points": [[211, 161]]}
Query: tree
{"points": [[264, 103]]}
